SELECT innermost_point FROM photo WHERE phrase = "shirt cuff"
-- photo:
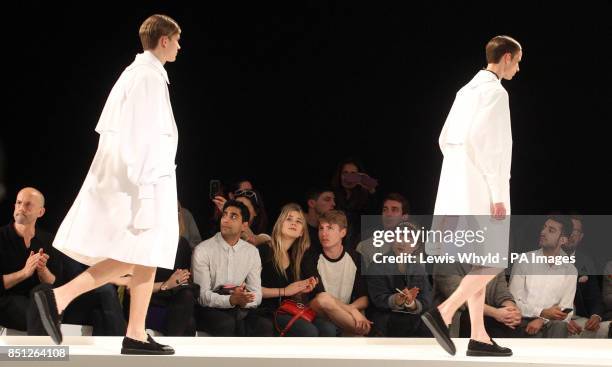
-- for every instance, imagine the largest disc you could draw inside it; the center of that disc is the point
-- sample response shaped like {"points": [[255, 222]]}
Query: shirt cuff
{"points": [[392, 304]]}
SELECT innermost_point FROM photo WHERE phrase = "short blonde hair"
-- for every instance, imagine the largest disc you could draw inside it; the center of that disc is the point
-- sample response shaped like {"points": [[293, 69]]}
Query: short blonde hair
{"points": [[154, 27], [334, 217]]}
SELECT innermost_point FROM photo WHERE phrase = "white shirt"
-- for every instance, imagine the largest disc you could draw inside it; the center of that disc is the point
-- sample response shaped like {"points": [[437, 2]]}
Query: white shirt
{"points": [[539, 286], [216, 263]]}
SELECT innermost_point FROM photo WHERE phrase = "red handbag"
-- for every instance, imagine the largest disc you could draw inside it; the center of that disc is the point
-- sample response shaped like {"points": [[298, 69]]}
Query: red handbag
{"points": [[297, 309]]}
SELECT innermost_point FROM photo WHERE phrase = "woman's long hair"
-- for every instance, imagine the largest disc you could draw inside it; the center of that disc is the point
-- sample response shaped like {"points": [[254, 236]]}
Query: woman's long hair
{"points": [[298, 247]]}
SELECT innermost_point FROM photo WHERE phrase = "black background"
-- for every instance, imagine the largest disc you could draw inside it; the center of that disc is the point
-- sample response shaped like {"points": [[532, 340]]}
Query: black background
{"points": [[281, 91]]}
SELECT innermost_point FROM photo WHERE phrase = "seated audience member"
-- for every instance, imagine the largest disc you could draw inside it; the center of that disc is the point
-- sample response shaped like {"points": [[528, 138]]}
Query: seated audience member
{"points": [[318, 201], [281, 274], [191, 233], [171, 309], [242, 184], [394, 211], [607, 291], [543, 290], [396, 314], [588, 304], [501, 314], [341, 293], [607, 295], [27, 259], [254, 233], [228, 271], [355, 196]]}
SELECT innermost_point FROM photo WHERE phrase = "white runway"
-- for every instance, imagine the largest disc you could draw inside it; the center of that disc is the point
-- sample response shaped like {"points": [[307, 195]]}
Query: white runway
{"points": [[318, 352]]}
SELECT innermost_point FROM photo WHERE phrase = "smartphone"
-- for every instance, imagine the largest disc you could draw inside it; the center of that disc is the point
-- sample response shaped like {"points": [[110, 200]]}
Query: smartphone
{"points": [[368, 182], [214, 188], [351, 178], [567, 310]]}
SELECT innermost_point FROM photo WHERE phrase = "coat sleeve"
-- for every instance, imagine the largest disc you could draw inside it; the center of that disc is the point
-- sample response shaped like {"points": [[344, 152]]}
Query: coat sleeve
{"points": [[487, 138], [142, 128]]}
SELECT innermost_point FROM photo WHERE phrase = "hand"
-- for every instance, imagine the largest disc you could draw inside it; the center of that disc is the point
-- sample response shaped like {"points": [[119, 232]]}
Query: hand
{"points": [[534, 326], [219, 202], [180, 276], [241, 296], [593, 323], [406, 297], [31, 264], [311, 285], [573, 328], [145, 216], [248, 235], [509, 315], [42, 261], [498, 211], [296, 287], [553, 313], [362, 324]]}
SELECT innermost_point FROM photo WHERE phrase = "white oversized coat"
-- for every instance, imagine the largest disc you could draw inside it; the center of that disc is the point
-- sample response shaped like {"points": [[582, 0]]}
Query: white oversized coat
{"points": [[134, 161], [476, 142]]}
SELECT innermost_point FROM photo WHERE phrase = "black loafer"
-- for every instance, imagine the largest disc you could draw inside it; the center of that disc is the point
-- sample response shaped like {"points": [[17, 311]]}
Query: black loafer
{"points": [[479, 349], [151, 347], [47, 308], [434, 322]]}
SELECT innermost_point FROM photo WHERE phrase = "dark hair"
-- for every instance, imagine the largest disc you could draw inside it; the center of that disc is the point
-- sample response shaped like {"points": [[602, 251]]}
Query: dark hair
{"points": [[359, 195], [260, 222], [498, 46], [566, 223], [395, 196], [315, 192], [244, 211]]}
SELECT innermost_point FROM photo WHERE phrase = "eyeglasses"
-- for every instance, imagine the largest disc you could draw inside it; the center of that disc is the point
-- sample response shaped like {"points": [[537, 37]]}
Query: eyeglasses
{"points": [[247, 194]]}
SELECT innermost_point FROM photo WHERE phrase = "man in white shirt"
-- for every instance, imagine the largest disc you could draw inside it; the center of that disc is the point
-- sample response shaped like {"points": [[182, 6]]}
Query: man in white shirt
{"points": [[228, 270], [544, 290]]}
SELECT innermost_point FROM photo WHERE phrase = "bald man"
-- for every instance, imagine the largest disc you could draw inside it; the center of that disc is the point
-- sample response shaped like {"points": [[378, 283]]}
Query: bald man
{"points": [[26, 258]]}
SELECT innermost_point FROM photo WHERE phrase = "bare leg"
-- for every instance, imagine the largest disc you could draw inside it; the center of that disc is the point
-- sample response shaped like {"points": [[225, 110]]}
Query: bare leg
{"points": [[470, 285], [140, 294], [476, 307], [329, 306], [94, 277]]}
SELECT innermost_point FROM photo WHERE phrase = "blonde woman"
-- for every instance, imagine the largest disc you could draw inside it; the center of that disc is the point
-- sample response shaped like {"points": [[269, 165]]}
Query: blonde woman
{"points": [[281, 261]]}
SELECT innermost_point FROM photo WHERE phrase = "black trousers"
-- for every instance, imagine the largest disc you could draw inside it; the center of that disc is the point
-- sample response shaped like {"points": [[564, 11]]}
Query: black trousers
{"points": [[99, 308], [13, 311], [397, 324], [170, 311], [233, 322]]}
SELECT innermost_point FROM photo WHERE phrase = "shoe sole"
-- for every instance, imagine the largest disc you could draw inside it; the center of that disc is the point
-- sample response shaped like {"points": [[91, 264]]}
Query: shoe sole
{"points": [[144, 352], [476, 353], [445, 343], [48, 324]]}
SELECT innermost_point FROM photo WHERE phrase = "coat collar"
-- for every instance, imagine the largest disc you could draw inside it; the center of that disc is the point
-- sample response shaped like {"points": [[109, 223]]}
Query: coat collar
{"points": [[147, 58]]}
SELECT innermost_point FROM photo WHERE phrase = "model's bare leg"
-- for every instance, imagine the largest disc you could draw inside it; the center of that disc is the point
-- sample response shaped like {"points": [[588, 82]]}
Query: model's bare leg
{"points": [[94, 277], [469, 286], [476, 308], [141, 288]]}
